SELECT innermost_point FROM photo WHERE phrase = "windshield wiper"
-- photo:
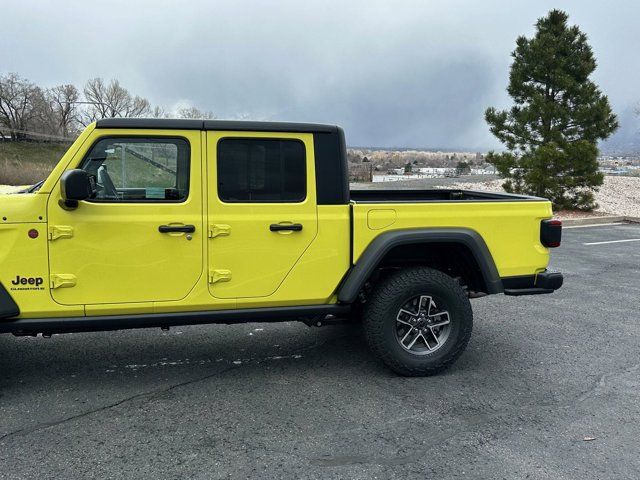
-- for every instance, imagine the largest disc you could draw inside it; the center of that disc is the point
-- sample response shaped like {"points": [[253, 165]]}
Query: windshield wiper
{"points": [[33, 188]]}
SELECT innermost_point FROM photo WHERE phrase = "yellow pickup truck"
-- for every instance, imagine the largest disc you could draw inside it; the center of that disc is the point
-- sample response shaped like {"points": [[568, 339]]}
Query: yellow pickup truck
{"points": [[158, 223]]}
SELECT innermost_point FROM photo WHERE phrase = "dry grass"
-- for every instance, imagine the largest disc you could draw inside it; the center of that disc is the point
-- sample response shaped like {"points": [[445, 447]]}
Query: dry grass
{"points": [[22, 172], [25, 163]]}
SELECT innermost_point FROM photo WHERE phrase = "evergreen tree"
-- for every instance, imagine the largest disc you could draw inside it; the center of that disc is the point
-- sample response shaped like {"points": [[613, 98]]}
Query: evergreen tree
{"points": [[559, 114], [462, 167]]}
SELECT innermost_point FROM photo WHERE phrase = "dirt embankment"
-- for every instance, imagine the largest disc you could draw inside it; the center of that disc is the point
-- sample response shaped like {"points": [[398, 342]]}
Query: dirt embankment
{"points": [[25, 163]]}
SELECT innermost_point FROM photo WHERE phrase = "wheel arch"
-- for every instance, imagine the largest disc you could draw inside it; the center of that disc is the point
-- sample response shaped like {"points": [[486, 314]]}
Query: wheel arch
{"points": [[383, 246]]}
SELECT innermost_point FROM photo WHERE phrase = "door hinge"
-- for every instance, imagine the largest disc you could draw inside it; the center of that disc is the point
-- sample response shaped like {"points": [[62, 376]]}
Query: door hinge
{"points": [[219, 230], [216, 276], [60, 231], [62, 280]]}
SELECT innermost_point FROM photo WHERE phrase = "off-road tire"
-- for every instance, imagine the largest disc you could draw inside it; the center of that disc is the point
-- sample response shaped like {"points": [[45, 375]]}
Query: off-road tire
{"points": [[386, 300]]}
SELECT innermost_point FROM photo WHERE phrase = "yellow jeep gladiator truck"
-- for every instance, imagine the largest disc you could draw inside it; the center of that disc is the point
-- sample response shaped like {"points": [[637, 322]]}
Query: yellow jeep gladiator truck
{"points": [[158, 223]]}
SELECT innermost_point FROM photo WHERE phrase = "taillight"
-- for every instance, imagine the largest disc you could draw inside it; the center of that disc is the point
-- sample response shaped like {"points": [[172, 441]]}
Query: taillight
{"points": [[551, 233]]}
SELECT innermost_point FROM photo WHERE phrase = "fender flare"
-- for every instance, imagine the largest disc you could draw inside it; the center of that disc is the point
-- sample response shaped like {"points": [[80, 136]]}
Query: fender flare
{"points": [[383, 243], [8, 307]]}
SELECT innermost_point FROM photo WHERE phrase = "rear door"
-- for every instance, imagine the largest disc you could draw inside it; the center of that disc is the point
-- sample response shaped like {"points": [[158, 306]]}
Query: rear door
{"points": [[261, 209], [126, 245]]}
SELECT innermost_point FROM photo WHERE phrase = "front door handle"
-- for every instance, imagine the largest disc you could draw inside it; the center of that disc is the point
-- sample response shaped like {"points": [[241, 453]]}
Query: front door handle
{"points": [[281, 227], [177, 228]]}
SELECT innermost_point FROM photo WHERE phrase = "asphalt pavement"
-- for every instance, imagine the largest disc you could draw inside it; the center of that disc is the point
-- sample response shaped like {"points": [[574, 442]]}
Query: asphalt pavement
{"points": [[549, 387]]}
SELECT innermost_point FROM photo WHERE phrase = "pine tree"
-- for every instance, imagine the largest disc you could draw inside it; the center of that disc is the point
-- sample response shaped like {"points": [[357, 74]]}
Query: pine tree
{"points": [[559, 114]]}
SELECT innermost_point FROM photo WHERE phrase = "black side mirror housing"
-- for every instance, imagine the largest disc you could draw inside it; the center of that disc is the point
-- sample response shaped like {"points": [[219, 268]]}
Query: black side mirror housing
{"points": [[76, 185]]}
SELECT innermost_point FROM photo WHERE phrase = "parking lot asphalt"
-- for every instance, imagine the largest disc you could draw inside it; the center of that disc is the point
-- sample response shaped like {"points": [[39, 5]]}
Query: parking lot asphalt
{"points": [[549, 387]]}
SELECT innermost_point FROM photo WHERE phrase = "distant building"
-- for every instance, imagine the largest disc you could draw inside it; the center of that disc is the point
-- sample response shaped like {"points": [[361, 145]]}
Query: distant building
{"points": [[436, 171], [487, 169]]}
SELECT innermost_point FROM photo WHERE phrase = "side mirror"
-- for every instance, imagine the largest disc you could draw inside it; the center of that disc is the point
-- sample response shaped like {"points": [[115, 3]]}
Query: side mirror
{"points": [[76, 185]]}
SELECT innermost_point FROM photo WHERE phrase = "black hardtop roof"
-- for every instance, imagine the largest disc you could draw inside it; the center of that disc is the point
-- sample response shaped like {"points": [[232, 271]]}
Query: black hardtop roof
{"points": [[228, 125]]}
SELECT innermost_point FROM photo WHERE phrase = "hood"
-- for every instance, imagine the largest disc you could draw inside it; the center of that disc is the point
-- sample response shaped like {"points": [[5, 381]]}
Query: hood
{"points": [[23, 208]]}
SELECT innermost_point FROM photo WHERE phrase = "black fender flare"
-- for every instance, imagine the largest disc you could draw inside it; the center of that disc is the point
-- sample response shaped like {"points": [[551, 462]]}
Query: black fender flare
{"points": [[8, 307], [383, 243]]}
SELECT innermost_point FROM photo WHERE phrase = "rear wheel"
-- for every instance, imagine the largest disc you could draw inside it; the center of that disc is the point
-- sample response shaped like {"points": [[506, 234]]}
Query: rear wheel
{"points": [[418, 321]]}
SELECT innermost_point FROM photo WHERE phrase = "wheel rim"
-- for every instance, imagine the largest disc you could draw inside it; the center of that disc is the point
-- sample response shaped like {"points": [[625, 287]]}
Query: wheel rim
{"points": [[422, 327]]}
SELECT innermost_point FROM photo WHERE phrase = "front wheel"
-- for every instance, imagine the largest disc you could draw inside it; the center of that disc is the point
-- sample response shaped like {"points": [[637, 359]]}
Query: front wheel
{"points": [[418, 321]]}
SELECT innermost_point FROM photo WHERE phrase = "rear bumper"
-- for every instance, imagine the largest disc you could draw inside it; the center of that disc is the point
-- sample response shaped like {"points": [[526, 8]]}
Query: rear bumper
{"points": [[544, 282]]}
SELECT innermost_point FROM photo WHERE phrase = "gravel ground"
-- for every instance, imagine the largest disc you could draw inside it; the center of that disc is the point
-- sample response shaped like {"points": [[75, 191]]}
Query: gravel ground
{"points": [[9, 188], [618, 195]]}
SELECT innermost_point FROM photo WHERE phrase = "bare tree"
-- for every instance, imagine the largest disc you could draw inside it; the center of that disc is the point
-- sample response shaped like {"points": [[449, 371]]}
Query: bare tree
{"points": [[43, 121], [112, 100], [195, 113], [27, 111], [63, 101], [137, 107], [17, 96], [159, 112], [95, 94]]}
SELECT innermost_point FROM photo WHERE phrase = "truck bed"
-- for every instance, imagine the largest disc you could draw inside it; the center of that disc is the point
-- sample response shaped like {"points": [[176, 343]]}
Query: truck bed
{"points": [[434, 195], [503, 221]]}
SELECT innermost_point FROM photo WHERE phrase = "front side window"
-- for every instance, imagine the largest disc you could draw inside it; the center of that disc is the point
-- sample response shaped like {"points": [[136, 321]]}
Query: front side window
{"points": [[140, 169], [261, 170]]}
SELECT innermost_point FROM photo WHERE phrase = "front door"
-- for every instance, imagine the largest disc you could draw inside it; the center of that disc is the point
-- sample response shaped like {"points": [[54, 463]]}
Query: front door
{"points": [[140, 239], [261, 209]]}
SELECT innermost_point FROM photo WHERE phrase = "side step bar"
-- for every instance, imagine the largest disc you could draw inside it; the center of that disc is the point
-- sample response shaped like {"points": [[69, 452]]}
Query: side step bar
{"points": [[311, 315]]}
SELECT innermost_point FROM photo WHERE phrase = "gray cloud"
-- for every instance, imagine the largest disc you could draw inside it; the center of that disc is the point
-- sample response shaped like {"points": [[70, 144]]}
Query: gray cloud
{"points": [[410, 73]]}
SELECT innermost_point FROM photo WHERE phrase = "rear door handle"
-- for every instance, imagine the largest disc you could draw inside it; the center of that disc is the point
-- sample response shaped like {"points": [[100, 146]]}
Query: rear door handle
{"points": [[177, 228], [281, 227]]}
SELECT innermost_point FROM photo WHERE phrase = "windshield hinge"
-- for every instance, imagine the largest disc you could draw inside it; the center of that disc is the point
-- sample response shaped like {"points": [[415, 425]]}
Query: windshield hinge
{"points": [[60, 231], [62, 280], [216, 276], [219, 230]]}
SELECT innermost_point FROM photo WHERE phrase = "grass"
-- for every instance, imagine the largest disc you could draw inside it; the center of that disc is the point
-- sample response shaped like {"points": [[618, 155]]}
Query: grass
{"points": [[25, 163]]}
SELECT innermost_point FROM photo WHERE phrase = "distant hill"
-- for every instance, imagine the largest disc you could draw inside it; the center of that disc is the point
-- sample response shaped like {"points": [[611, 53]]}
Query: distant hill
{"points": [[25, 163], [627, 139]]}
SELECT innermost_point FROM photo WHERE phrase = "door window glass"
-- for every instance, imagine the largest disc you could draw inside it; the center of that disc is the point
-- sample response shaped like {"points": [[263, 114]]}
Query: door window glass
{"points": [[262, 170], [140, 169]]}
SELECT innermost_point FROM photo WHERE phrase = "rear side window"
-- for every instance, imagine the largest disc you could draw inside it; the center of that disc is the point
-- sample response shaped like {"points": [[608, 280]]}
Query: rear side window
{"points": [[140, 169], [259, 170]]}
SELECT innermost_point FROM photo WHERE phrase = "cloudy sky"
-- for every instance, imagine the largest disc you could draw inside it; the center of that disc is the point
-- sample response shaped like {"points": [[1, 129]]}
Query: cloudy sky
{"points": [[393, 73]]}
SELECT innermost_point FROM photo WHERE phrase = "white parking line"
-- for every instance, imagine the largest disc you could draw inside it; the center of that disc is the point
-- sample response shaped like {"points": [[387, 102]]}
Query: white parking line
{"points": [[594, 225], [614, 241]]}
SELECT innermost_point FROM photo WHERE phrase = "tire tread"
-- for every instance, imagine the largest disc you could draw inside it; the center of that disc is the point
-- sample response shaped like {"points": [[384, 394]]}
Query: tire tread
{"points": [[387, 292]]}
